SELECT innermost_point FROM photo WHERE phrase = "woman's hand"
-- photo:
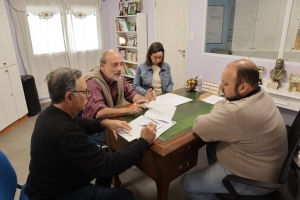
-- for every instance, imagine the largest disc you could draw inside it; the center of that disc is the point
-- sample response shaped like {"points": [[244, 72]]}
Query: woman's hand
{"points": [[150, 95]]}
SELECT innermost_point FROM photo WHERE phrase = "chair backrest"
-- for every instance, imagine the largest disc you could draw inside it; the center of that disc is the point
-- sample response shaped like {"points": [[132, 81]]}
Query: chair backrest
{"points": [[8, 179], [293, 142]]}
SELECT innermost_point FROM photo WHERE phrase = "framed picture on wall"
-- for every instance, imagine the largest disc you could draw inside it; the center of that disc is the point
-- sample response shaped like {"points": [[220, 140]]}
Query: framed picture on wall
{"points": [[132, 8]]}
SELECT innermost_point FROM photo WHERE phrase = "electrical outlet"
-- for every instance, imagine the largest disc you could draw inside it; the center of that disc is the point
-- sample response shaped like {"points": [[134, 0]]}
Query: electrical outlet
{"points": [[192, 36], [106, 35]]}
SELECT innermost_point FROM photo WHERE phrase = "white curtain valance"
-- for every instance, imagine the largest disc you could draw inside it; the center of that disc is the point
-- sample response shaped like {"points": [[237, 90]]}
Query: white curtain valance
{"points": [[74, 6], [37, 6], [83, 6]]}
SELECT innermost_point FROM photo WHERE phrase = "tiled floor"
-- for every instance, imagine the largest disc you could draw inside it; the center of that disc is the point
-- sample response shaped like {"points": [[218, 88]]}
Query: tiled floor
{"points": [[15, 144]]}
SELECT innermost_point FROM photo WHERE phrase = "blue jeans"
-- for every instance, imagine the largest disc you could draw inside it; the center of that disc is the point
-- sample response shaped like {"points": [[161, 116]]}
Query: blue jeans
{"points": [[98, 138], [203, 184]]}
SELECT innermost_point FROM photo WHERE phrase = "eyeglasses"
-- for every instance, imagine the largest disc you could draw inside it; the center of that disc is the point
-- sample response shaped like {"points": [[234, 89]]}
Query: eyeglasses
{"points": [[86, 92]]}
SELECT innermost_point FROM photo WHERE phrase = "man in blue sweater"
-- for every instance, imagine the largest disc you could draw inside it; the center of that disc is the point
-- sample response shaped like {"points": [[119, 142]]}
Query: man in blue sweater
{"points": [[63, 160]]}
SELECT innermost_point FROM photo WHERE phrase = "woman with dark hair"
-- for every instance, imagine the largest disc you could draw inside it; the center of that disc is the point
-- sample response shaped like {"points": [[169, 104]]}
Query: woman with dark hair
{"points": [[154, 73]]}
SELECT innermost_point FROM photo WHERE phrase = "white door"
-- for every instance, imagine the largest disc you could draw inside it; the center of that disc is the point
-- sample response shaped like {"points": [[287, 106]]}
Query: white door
{"points": [[171, 20], [7, 97], [6, 39], [17, 88]]}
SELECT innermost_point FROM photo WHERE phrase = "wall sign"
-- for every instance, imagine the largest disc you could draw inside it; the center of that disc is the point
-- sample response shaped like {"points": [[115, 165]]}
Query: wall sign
{"points": [[214, 24]]}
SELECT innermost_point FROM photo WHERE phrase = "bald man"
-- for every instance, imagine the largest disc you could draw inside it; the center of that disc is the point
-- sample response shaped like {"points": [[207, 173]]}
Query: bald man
{"points": [[108, 88], [246, 136]]}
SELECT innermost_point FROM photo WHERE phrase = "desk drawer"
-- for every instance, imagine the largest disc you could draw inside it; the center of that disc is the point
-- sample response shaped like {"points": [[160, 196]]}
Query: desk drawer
{"points": [[183, 159]]}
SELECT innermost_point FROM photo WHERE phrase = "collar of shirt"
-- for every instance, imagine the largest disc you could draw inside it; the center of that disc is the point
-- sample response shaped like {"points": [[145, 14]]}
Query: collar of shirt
{"points": [[253, 92], [107, 80]]}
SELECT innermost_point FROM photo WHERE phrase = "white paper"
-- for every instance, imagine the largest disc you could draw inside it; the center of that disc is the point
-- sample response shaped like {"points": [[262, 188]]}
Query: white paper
{"points": [[213, 99], [135, 133], [159, 114], [168, 100]]}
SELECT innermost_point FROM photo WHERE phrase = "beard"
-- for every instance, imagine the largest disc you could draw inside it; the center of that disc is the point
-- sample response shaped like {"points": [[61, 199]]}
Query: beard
{"points": [[115, 76], [235, 97]]}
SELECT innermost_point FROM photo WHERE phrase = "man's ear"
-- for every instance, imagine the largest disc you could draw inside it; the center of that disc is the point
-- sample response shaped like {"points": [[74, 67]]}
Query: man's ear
{"points": [[68, 97], [244, 89], [102, 66]]}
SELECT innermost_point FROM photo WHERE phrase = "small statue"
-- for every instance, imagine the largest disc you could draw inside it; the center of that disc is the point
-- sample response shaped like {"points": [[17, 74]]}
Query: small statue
{"points": [[121, 8], [191, 84], [278, 72]]}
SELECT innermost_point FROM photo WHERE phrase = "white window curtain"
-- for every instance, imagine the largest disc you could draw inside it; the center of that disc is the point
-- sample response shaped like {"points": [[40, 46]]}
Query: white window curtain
{"points": [[57, 33]]}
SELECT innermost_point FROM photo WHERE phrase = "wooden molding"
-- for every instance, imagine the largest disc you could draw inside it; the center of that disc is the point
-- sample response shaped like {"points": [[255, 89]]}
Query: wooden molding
{"points": [[13, 125]]}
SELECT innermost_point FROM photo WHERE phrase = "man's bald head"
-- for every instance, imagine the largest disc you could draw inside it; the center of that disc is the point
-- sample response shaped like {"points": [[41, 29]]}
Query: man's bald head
{"points": [[107, 53], [246, 72]]}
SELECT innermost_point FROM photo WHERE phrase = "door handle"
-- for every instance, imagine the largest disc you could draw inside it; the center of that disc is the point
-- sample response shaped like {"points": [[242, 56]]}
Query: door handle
{"points": [[182, 51]]}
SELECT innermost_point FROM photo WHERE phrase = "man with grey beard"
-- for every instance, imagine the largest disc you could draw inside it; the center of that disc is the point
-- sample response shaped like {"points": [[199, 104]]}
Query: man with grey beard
{"points": [[108, 88]]}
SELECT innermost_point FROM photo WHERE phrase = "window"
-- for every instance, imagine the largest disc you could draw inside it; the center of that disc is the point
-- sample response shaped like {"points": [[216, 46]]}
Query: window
{"points": [[292, 45], [47, 34], [85, 32], [255, 28]]}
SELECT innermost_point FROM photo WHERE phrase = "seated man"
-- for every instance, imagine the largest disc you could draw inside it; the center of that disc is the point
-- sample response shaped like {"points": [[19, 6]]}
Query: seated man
{"points": [[63, 160], [247, 136], [108, 89]]}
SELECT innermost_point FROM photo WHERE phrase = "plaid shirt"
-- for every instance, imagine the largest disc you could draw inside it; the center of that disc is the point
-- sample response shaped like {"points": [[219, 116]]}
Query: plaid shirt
{"points": [[96, 101]]}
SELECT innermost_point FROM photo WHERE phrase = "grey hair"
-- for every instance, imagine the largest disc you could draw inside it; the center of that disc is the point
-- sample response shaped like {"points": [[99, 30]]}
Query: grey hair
{"points": [[103, 57], [61, 81]]}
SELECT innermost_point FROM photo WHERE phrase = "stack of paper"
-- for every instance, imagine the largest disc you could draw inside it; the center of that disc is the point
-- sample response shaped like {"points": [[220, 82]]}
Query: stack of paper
{"points": [[212, 99], [161, 112], [139, 123]]}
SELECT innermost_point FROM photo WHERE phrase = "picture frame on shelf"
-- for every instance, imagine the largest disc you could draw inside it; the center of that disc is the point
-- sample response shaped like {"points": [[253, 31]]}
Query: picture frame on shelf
{"points": [[130, 42], [132, 26], [132, 8], [122, 41]]}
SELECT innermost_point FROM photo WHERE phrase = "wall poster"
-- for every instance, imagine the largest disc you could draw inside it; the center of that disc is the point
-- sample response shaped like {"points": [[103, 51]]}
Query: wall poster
{"points": [[214, 24]]}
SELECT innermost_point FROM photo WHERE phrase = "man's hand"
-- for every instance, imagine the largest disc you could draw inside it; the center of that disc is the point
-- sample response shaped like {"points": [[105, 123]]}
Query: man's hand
{"points": [[149, 132], [137, 106], [150, 95], [114, 125]]}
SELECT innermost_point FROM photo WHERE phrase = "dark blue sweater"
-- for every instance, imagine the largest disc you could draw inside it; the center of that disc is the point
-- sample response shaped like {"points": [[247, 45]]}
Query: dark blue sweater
{"points": [[64, 159]]}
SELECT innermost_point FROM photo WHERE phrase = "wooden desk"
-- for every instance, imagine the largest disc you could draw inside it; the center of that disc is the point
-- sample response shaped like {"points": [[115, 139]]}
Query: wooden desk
{"points": [[163, 161]]}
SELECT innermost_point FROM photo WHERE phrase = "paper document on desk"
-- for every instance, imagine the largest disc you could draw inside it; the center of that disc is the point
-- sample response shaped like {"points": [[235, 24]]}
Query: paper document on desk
{"points": [[161, 113], [139, 123], [167, 101], [213, 99]]}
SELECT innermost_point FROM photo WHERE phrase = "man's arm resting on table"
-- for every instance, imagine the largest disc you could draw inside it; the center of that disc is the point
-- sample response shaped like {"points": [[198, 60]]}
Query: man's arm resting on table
{"points": [[136, 107], [112, 112]]}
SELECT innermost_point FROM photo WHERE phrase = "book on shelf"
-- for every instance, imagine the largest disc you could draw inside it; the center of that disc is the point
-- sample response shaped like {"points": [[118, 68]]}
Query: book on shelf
{"points": [[124, 27], [118, 28], [126, 69], [133, 71], [132, 26]]}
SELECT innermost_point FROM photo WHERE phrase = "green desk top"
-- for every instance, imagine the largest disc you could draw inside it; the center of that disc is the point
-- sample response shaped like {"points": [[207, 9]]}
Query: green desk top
{"points": [[185, 115]]}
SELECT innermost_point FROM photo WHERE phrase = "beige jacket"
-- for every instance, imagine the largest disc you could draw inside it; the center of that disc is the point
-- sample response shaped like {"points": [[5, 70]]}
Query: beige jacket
{"points": [[252, 134]]}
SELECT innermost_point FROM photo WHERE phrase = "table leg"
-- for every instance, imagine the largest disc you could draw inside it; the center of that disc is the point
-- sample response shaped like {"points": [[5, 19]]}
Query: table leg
{"points": [[162, 190], [116, 181]]}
